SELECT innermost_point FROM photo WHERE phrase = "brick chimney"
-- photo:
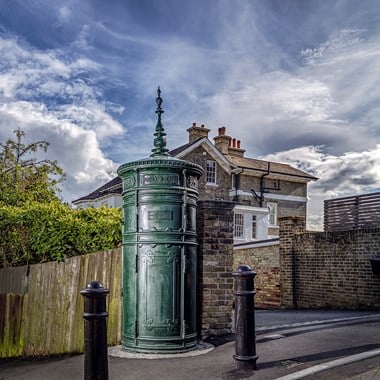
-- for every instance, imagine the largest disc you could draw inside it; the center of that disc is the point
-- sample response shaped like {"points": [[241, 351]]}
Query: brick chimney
{"points": [[234, 148], [222, 140], [228, 145], [197, 132]]}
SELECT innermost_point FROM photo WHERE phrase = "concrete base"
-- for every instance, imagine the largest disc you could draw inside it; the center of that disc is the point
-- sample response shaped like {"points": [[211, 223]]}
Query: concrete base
{"points": [[121, 352]]}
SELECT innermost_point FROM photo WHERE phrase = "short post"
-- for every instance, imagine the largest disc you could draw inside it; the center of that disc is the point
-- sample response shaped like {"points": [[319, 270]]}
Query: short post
{"points": [[245, 339], [95, 331]]}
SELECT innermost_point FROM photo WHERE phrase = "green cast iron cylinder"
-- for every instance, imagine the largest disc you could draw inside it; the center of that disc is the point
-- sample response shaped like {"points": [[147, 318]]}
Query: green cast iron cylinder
{"points": [[159, 255]]}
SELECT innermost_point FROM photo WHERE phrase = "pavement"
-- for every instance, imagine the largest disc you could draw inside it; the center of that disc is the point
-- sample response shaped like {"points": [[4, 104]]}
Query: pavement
{"points": [[290, 345]]}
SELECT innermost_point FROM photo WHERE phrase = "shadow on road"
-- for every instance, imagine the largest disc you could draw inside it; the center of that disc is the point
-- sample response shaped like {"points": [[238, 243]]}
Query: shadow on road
{"points": [[314, 327], [333, 354]]}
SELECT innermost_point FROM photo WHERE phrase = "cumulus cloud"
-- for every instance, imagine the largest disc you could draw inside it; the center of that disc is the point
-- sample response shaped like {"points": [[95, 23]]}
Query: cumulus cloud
{"points": [[76, 149], [55, 98]]}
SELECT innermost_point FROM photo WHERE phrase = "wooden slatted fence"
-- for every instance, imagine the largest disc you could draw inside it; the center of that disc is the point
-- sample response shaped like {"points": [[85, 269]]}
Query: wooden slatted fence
{"points": [[352, 213], [41, 307]]}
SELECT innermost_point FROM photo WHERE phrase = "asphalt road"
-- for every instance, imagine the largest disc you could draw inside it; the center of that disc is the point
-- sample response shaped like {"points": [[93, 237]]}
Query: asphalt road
{"points": [[287, 342]]}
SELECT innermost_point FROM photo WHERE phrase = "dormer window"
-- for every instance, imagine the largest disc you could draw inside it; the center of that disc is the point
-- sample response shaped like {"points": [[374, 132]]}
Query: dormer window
{"points": [[211, 172]]}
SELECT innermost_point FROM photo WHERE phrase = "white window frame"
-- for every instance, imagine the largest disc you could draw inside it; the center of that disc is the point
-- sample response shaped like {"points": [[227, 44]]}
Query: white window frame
{"points": [[210, 172], [260, 214], [239, 225], [272, 215]]}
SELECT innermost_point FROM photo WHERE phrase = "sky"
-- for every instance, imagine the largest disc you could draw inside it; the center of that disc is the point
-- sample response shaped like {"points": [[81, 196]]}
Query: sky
{"points": [[297, 81]]}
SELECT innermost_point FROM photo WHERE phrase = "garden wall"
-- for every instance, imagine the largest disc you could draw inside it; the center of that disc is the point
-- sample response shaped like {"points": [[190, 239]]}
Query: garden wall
{"points": [[328, 269], [265, 261]]}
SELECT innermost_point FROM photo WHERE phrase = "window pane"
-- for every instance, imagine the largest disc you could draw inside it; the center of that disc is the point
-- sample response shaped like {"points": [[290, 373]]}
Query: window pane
{"points": [[211, 172], [272, 216], [253, 226], [238, 225]]}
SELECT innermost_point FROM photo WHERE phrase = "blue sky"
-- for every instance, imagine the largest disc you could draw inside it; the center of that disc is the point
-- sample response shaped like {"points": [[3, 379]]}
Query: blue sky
{"points": [[296, 81]]}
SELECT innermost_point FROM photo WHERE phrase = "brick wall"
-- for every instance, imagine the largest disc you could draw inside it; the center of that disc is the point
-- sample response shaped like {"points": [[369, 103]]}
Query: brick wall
{"points": [[223, 179], [248, 182], [289, 228], [265, 261], [328, 270], [215, 236], [333, 270]]}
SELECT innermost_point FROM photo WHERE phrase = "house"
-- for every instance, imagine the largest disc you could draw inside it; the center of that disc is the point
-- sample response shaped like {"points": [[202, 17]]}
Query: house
{"points": [[263, 191], [108, 195]]}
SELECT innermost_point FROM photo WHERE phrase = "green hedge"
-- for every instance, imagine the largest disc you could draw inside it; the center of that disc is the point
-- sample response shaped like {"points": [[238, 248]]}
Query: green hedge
{"points": [[50, 232]]}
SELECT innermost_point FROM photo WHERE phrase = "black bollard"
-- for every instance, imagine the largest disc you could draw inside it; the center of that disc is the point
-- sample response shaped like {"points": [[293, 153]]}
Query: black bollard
{"points": [[95, 331], [245, 337]]}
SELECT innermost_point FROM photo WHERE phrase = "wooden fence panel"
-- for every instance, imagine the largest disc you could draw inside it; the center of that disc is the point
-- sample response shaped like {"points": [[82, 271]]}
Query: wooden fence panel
{"points": [[74, 335], [352, 213], [14, 280], [114, 301], [44, 312], [11, 328], [48, 318]]}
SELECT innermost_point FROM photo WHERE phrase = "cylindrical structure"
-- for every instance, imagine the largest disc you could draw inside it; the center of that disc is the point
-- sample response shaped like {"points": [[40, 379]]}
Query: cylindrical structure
{"points": [[159, 251], [95, 332], [159, 255], [245, 339]]}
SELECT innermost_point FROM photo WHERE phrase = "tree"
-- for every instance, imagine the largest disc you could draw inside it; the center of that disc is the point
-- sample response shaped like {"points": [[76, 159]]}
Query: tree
{"points": [[25, 178]]}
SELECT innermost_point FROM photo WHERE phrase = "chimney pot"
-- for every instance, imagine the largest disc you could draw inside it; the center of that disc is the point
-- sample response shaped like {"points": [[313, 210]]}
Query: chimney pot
{"points": [[238, 144], [194, 124], [223, 130], [202, 125], [234, 143], [229, 142]]}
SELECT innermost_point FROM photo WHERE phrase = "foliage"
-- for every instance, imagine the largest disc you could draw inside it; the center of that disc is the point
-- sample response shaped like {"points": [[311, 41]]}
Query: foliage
{"points": [[25, 178], [40, 232]]}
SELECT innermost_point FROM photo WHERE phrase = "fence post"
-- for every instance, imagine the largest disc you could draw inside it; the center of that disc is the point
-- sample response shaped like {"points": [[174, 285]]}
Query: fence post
{"points": [[95, 331], [245, 339]]}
